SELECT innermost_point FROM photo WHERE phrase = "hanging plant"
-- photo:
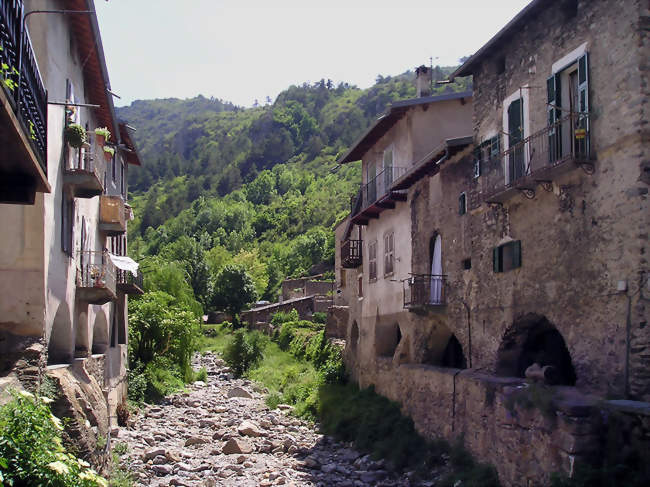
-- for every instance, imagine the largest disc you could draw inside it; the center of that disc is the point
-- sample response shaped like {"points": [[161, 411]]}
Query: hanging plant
{"points": [[103, 135], [108, 153], [75, 135]]}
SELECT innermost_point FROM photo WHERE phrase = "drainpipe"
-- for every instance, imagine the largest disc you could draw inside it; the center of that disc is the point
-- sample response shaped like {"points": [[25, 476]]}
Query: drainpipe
{"points": [[469, 334]]}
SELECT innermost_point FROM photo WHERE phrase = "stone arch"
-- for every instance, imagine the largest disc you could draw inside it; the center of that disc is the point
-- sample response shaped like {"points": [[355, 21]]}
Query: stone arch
{"points": [[443, 349], [61, 345], [387, 338], [354, 337], [533, 339], [100, 333]]}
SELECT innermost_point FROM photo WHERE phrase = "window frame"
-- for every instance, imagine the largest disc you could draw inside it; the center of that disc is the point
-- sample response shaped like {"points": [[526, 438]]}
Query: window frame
{"points": [[498, 260]]}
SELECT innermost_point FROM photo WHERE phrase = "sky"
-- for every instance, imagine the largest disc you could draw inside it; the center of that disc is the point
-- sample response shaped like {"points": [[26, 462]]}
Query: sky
{"points": [[246, 50]]}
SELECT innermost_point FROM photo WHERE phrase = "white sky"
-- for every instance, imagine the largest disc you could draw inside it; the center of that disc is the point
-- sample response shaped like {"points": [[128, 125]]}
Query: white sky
{"points": [[244, 50]]}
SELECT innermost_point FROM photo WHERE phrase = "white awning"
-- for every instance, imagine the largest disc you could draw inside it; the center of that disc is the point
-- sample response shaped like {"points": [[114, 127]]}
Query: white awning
{"points": [[125, 263]]}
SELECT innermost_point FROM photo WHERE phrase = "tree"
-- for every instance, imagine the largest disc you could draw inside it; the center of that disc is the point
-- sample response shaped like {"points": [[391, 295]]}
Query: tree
{"points": [[234, 290]]}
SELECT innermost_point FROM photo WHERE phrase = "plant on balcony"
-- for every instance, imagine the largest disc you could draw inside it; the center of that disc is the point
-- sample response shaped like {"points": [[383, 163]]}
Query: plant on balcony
{"points": [[109, 152], [97, 276], [75, 135], [103, 135]]}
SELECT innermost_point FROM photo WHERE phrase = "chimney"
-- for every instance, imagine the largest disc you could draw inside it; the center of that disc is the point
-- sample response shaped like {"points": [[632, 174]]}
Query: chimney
{"points": [[422, 81]]}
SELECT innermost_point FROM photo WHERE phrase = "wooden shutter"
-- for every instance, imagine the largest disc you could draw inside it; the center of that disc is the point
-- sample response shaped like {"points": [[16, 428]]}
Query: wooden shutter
{"points": [[554, 101], [516, 254], [496, 259]]}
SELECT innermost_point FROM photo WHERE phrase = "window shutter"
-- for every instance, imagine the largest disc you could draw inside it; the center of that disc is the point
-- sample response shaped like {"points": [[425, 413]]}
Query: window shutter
{"points": [[462, 204], [516, 253], [583, 83], [495, 146], [496, 259], [553, 92]]}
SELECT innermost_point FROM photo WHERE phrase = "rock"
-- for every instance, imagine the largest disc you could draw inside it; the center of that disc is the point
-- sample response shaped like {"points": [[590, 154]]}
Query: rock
{"points": [[239, 392], [162, 469], [234, 445], [149, 454], [248, 428], [195, 440]]}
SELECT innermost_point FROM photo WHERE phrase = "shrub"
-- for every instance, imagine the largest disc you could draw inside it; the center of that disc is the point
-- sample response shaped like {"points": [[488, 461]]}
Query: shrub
{"points": [[75, 135], [201, 375], [244, 351], [319, 317], [31, 450], [284, 316]]}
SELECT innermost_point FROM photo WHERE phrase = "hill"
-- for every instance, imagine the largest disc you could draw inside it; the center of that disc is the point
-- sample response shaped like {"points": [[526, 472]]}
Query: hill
{"points": [[258, 187]]}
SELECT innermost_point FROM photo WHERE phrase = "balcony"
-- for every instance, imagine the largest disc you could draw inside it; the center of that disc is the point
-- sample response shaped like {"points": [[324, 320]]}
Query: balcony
{"points": [[377, 196], [425, 291], [23, 112], [351, 253], [83, 170], [538, 159], [112, 215], [96, 277], [128, 283]]}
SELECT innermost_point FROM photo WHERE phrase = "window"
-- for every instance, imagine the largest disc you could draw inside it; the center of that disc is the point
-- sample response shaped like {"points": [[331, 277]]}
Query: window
{"points": [[501, 65], [360, 286], [466, 264], [389, 253], [67, 221], [388, 168], [489, 149], [372, 260], [462, 204], [123, 179], [507, 256], [516, 158]]}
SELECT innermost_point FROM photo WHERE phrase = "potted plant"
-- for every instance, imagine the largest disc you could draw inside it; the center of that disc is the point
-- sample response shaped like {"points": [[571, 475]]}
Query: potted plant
{"points": [[103, 135], [75, 135], [109, 152]]}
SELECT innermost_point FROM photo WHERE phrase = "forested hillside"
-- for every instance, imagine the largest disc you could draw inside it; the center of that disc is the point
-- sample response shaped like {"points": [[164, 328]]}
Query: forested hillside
{"points": [[254, 189]]}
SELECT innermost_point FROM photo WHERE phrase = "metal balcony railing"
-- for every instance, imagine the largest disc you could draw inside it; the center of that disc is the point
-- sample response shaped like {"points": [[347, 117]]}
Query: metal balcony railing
{"points": [[351, 253], [21, 78], [129, 283], [84, 169], [377, 188], [422, 290], [96, 277], [534, 158]]}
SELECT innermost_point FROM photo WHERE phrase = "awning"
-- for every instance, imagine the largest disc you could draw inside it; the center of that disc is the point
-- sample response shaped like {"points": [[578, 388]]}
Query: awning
{"points": [[125, 263]]}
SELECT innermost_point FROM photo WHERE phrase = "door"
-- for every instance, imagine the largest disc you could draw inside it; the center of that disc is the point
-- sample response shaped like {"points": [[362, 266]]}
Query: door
{"points": [[435, 296], [516, 159], [388, 169]]}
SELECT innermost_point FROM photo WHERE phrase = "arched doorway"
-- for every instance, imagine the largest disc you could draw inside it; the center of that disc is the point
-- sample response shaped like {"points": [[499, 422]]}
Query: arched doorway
{"points": [[60, 345], [436, 293], [443, 349], [533, 339], [387, 338]]}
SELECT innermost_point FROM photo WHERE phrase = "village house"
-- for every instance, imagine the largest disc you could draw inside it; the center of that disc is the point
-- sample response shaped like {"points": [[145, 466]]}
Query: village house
{"points": [[64, 274], [522, 245]]}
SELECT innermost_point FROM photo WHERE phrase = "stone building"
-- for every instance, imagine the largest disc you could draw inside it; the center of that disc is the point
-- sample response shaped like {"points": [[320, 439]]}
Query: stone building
{"points": [[523, 244], [64, 274]]}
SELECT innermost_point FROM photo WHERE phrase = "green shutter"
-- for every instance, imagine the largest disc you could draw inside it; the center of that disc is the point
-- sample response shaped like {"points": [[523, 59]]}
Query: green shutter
{"points": [[582, 144], [496, 259], [516, 254]]}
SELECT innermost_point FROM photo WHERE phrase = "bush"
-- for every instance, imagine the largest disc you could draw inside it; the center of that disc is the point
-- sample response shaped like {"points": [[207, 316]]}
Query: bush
{"points": [[244, 351], [284, 316], [319, 317], [31, 450]]}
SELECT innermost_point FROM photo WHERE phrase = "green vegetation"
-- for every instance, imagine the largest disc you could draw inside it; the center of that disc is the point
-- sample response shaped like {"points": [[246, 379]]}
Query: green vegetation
{"points": [[163, 335], [31, 449], [244, 350]]}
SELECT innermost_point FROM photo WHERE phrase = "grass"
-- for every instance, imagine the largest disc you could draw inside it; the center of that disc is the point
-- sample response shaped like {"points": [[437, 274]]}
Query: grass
{"points": [[217, 342]]}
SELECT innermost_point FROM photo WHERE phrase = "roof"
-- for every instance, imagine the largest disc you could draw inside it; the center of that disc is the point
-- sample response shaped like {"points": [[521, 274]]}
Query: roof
{"points": [[129, 148], [85, 29], [469, 66], [389, 118]]}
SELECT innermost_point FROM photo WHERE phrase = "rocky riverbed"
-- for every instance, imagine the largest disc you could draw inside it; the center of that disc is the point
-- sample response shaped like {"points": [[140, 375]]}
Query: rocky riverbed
{"points": [[222, 433]]}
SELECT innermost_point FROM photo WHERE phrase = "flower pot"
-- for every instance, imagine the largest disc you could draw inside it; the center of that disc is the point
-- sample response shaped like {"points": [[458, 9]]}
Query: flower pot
{"points": [[100, 139], [108, 156]]}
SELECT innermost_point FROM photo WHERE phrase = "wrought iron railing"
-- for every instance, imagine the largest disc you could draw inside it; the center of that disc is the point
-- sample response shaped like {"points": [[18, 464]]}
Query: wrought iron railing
{"points": [[21, 78], [425, 290], [565, 140], [95, 269], [89, 158], [351, 253], [378, 187], [126, 278]]}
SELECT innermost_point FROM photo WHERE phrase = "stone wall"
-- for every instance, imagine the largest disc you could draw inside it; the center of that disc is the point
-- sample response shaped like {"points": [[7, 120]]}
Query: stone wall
{"points": [[304, 307]]}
